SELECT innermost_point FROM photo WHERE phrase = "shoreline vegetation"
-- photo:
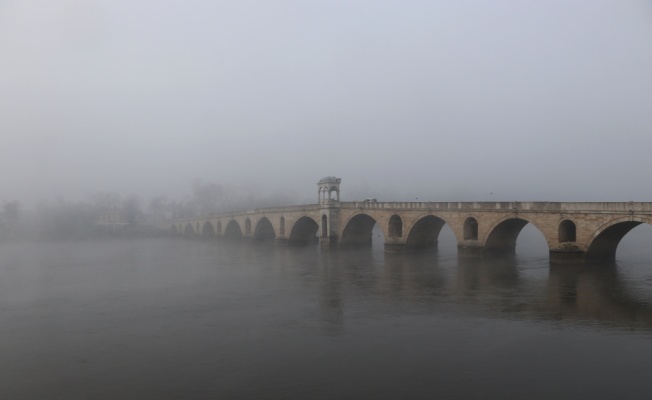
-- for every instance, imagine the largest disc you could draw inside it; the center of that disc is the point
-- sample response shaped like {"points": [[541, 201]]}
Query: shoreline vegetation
{"points": [[107, 214]]}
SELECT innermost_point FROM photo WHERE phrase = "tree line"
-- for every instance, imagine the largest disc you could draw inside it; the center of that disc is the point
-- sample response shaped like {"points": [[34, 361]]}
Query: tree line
{"points": [[110, 213]]}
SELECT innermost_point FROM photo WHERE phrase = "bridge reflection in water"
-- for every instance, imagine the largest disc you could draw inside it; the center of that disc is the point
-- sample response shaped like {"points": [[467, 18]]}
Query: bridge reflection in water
{"points": [[574, 231], [500, 287]]}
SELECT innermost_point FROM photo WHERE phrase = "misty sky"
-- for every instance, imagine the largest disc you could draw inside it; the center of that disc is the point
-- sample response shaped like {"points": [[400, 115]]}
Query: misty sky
{"points": [[440, 100]]}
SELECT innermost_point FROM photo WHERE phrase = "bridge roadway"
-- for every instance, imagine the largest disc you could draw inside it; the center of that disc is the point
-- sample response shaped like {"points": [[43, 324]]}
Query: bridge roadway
{"points": [[574, 231]]}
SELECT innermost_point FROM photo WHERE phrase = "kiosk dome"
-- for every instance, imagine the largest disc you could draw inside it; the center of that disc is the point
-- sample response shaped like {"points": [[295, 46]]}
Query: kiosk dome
{"points": [[329, 190], [329, 179]]}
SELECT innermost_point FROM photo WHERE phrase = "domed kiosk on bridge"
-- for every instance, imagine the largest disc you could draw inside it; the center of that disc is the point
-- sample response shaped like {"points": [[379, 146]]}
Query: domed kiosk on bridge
{"points": [[329, 200], [329, 190]]}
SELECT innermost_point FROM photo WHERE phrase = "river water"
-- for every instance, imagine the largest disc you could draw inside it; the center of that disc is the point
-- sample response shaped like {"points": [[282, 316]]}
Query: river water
{"points": [[199, 319]]}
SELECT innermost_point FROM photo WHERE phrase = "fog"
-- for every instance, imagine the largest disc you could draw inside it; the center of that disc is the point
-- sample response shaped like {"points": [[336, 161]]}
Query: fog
{"points": [[441, 101]]}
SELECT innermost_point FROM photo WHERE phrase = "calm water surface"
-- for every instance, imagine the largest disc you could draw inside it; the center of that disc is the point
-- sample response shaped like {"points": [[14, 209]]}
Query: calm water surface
{"points": [[183, 319]]}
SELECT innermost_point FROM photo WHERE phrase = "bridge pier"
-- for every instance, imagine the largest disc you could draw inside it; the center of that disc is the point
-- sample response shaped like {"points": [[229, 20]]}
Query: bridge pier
{"points": [[281, 242], [328, 242], [566, 253], [470, 249], [395, 247], [566, 257], [476, 250]]}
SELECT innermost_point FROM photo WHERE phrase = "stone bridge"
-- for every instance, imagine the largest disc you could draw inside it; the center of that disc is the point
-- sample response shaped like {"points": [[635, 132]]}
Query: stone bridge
{"points": [[574, 231]]}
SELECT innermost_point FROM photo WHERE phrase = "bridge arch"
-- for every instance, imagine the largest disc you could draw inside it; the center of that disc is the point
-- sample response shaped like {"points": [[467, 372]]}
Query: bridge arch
{"points": [[247, 227], [395, 226], [424, 232], [501, 237], [357, 231], [208, 230], [264, 231], [233, 231], [470, 229], [188, 231], [604, 241], [303, 231], [567, 231], [219, 227]]}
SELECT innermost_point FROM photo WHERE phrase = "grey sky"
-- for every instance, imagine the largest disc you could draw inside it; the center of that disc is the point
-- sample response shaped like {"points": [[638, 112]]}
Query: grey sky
{"points": [[441, 100]]}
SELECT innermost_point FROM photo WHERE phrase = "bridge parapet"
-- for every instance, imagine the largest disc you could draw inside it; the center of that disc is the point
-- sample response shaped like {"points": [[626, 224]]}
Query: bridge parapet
{"points": [[637, 207], [534, 206], [431, 205], [273, 210], [256, 211]]}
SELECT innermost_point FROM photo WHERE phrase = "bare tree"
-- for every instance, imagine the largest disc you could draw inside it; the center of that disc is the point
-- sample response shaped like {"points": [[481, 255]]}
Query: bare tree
{"points": [[11, 210], [106, 201], [131, 210], [208, 196]]}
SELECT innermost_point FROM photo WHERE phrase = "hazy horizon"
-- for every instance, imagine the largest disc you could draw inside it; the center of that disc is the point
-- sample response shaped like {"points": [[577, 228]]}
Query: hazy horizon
{"points": [[440, 101]]}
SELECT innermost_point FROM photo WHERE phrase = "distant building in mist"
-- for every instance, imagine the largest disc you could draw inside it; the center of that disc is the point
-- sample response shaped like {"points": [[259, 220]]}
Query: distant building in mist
{"points": [[110, 219], [5, 229]]}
